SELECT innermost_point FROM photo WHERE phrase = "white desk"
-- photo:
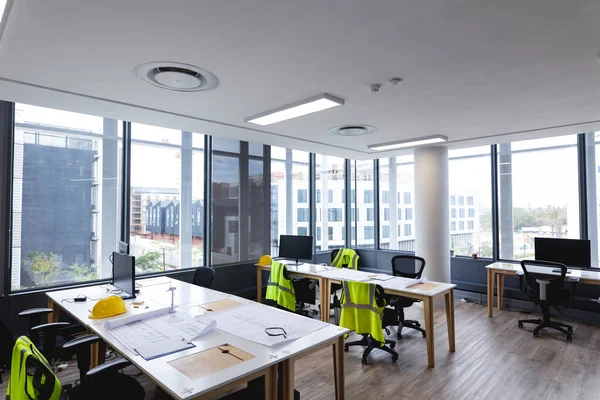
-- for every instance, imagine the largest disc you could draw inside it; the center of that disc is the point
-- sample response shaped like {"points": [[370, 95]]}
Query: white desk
{"points": [[426, 292], [499, 270], [180, 386]]}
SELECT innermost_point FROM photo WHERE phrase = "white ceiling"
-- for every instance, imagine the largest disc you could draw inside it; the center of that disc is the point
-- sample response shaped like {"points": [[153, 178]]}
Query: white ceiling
{"points": [[475, 71]]}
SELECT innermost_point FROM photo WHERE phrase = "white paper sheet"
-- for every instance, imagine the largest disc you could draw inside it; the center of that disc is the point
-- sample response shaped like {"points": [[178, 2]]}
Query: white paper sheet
{"points": [[165, 327], [249, 321], [381, 277], [401, 283], [346, 274], [129, 318]]}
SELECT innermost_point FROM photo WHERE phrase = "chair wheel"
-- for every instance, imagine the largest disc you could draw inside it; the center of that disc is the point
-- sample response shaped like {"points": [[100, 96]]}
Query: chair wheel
{"points": [[364, 361], [394, 358], [536, 334], [569, 338], [520, 324], [392, 345], [345, 348], [570, 330], [424, 334]]}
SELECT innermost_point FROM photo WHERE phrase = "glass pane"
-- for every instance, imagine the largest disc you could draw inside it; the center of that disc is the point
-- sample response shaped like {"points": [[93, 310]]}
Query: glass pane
{"points": [[539, 195], [471, 205], [198, 208], [197, 140], [65, 197], [396, 195], [257, 221], [154, 226], [288, 216], [362, 185], [227, 145], [330, 181], [156, 134], [278, 153], [225, 216], [255, 149]]}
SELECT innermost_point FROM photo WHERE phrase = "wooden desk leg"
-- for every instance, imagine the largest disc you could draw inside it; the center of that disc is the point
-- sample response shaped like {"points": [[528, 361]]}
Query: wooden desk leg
{"points": [[53, 316], [500, 290], [258, 284], [288, 379], [325, 299], [271, 383], [338, 368], [428, 310], [450, 319], [490, 292]]}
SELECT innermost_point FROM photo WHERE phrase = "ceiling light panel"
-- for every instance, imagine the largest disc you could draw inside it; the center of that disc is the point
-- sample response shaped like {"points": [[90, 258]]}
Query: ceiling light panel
{"points": [[408, 143], [294, 110]]}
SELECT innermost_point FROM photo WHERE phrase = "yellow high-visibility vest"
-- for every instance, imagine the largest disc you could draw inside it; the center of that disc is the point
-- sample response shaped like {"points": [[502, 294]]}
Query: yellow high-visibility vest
{"points": [[360, 311], [346, 257], [43, 384], [280, 289]]}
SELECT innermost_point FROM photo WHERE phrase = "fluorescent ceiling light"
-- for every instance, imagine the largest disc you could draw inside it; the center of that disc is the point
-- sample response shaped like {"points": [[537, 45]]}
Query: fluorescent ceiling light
{"points": [[298, 109], [408, 143]]}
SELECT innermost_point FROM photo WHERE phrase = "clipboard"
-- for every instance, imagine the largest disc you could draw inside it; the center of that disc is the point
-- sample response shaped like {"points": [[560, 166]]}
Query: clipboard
{"points": [[207, 362]]}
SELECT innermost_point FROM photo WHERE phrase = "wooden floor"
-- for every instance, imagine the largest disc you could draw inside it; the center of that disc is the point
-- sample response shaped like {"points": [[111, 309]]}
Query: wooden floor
{"points": [[494, 359]]}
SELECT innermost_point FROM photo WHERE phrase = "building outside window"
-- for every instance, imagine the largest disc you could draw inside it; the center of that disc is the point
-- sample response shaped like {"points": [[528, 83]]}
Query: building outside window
{"points": [[318, 233], [385, 196], [361, 181], [303, 215], [330, 233], [368, 196], [385, 232], [407, 230], [370, 214], [369, 232], [302, 195], [409, 214], [302, 231], [330, 178]]}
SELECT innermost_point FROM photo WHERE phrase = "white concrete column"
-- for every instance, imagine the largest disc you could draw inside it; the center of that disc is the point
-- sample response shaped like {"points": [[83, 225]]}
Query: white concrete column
{"points": [[432, 226]]}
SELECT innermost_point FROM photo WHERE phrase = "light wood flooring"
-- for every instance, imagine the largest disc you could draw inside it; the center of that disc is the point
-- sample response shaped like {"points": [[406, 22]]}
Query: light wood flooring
{"points": [[494, 359]]}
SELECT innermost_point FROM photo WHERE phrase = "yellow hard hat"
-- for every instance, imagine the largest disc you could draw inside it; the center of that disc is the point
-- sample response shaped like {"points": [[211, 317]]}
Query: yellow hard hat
{"points": [[265, 261], [108, 307]]}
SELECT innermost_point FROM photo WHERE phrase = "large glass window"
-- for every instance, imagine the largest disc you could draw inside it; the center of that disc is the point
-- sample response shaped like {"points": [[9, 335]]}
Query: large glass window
{"points": [[362, 183], [396, 177], [66, 194], [289, 175], [330, 173], [539, 196], [470, 179]]}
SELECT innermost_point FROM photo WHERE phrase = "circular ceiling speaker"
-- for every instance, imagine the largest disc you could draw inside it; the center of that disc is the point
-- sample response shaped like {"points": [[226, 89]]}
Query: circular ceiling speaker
{"points": [[177, 76], [352, 130]]}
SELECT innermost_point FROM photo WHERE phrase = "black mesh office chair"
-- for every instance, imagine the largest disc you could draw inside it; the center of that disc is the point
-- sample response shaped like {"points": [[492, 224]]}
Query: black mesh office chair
{"points": [[547, 290], [406, 266], [389, 318], [204, 276]]}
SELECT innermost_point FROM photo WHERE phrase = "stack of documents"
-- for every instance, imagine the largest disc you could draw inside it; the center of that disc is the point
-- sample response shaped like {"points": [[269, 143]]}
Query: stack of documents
{"points": [[159, 335]]}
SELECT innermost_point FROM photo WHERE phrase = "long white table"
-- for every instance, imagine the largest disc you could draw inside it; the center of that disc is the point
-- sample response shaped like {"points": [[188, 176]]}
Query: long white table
{"points": [[188, 299], [425, 292], [498, 270]]}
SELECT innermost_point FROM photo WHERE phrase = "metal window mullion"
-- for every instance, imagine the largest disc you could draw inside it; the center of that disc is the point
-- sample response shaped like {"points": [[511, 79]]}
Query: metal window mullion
{"points": [[266, 237], [312, 209], [347, 205], [495, 203], [583, 194], [244, 203], [7, 136], [377, 216], [208, 204], [126, 182]]}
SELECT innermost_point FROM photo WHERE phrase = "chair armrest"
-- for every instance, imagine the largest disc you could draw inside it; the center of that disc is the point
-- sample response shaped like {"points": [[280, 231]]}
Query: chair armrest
{"points": [[543, 283], [81, 341], [54, 326], [35, 311], [112, 366]]}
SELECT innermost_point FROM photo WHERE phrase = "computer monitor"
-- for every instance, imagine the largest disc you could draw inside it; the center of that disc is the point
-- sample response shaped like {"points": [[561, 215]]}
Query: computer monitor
{"points": [[295, 247], [124, 274], [571, 252]]}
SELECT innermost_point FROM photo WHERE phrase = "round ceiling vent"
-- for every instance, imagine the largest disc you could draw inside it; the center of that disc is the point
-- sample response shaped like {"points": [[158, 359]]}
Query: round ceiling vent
{"points": [[352, 130], [177, 76]]}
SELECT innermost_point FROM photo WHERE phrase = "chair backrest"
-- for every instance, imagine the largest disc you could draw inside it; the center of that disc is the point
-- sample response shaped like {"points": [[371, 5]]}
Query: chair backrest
{"points": [[344, 258], [362, 308], [334, 254], [408, 266], [7, 342], [204, 276], [534, 270]]}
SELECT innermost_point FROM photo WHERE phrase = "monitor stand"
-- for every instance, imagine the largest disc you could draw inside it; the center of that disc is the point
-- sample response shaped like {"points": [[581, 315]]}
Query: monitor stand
{"points": [[296, 264]]}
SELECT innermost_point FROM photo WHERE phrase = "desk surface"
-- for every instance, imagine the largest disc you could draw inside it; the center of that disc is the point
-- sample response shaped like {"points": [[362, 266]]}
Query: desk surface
{"points": [[320, 271], [514, 268], [188, 297]]}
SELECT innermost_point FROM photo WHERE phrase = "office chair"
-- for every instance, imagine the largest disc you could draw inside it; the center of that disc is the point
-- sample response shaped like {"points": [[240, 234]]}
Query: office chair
{"points": [[406, 266], [546, 290], [204, 277], [48, 337], [101, 382], [372, 336], [335, 287]]}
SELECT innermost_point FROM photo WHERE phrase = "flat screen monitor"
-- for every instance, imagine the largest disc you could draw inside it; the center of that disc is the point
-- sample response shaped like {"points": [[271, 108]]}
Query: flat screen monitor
{"points": [[295, 247], [571, 252], [124, 275]]}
